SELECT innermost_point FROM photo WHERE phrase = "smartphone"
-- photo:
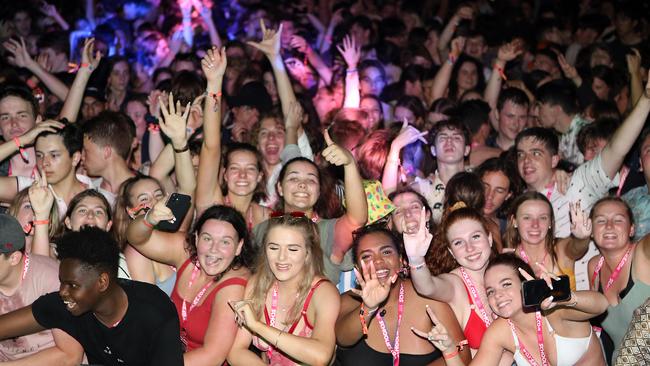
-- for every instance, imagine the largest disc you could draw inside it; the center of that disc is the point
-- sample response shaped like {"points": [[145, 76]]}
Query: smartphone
{"points": [[534, 292], [179, 204]]}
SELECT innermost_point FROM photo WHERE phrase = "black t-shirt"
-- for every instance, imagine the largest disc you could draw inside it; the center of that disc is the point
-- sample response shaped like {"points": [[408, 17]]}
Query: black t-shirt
{"points": [[149, 333]]}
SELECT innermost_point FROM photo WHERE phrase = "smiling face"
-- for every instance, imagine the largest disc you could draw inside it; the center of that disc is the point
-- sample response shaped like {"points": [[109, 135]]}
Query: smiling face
{"points": [[379, 249], [144, 193], [286, 252], [512, 119], [16, 117], [53, 158], [90, 211], [408, 208], [80, 286], [371, 81], [469, 243], [242, 173], [467, 76], [612, 228], [374, 111], [300, 187], [534, 162], [217, 245], [533, 221], [496, 187], [270, 140], [503, 289]]}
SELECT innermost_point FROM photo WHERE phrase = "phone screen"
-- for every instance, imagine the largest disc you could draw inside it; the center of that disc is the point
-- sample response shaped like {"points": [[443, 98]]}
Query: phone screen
{"points": [[535, 291]]}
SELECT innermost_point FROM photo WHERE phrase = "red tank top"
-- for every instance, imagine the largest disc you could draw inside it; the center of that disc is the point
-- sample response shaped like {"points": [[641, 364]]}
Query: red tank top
{"points": [[198, 319], [475, 327]]}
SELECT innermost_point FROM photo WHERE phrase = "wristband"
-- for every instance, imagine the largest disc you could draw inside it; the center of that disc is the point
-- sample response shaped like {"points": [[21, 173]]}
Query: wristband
{"points": [[362, 317], [85, 64], [31, 83], [501, 72], [153, 128], [350, 71], [418, 266], [183, 149], [146, 222], [41, 222], [217, 99], [451, 59], [21, 150], [461, 345]]}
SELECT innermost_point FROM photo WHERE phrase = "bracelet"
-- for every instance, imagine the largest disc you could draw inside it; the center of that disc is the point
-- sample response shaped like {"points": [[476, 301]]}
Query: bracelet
{"points": [[41, 222], [350, 71], [146, 222], [278, 339], [449, 356], [31, 83], [451, 59], [575, 300], [501, 72], [89, 66], [153, 128], [418, 266], [21, 150], [183, 149], [362, 317]]}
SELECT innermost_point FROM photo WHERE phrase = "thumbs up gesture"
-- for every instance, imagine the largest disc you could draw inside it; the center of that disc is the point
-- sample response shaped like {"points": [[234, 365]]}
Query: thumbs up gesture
{"points": [[334, 153]]}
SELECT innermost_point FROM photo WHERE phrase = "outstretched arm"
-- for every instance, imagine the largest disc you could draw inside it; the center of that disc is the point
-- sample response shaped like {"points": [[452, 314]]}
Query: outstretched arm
{"points": [[441, 80], [208, 189], [72, 103], [18, 323], [623, 140], [506, 53], [408, 135], [351, 54]]}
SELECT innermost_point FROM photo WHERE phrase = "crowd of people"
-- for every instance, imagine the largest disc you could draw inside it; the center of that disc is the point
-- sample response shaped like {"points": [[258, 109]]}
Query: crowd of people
{"points": [[369, 182]]}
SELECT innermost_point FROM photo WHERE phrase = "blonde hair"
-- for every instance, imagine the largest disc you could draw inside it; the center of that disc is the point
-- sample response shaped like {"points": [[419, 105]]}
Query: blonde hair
{"points": [[264, 278]]}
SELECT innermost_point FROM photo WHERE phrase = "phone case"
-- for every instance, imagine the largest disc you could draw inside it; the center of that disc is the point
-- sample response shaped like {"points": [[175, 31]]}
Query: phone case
{"points": [[179, 204]]}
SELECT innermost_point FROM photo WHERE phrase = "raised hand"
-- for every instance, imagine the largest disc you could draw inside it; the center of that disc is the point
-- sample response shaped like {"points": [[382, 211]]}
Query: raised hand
{"points": [[633, 62], [45, 126], [438, 335], [41, 197], [173, 123], [87, 58], [300, 44], [580, 221], [186, 8], [214, 64], [510, 51], [416, 242], [408, 135], [270, 44], [19, 55], [562, 179], [465, 12], [372, 292], [457, 46], [569, 71], [335, 154], [350, 51], [48, 9], [153, 101]]}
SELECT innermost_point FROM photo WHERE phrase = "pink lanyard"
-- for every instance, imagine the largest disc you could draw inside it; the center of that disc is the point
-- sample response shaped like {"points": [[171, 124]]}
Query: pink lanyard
{"points": [[624, 172], [549, 190], [524, 256], [393, 349], [540, 342], [272, 315], [614, 274], [476, 298], [184, 311]]}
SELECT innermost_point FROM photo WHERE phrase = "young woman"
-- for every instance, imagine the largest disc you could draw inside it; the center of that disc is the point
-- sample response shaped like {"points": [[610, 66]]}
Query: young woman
{"points": [[290, 307], [213, 262], [500, 183], [389, 305], [117, 87], [531, 222], [464, 250], [559, 337], [620, 272], [21, 208]]}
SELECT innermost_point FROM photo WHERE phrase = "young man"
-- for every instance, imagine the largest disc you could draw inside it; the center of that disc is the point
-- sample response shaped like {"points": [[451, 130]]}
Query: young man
{"points": [[509, 118], [557, 104], [450, 145], [118, 322], [639, 198], [107, 142], [24, 279]]}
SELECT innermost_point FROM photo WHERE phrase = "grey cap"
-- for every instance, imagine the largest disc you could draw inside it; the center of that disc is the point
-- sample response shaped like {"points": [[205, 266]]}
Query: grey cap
{"points": [[12, 236]]}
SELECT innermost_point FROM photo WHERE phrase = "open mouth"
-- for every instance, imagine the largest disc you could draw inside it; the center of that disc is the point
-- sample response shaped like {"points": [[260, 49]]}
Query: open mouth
{"points": [[211, 261], [70, 304], [382, 273]]}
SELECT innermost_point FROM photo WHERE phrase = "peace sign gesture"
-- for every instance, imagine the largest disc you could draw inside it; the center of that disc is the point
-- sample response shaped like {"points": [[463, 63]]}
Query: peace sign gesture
{"points": [[372, 292], [438, 335]]}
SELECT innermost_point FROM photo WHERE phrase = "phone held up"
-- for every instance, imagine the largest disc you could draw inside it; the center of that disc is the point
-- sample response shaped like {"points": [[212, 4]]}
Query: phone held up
{"points": [[534, 292], [179, 204]]}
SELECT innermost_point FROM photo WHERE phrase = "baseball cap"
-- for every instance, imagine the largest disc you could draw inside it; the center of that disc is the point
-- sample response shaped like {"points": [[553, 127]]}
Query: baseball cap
{"points": [[12, 236]]}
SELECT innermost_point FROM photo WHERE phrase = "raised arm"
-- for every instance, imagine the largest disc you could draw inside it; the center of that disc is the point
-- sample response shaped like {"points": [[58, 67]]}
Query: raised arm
{"points": [[634, 69], [506, 53], [42, 201], [313, 58], [463, 12], [21, 58], [441, 80], [356, 213], [408, 135], [208, 189], [270, 46], [206, 15], [351, 53], [72, 103], [620, 144], [582, 306], [51, 11], [416, 244], [577, 244]]}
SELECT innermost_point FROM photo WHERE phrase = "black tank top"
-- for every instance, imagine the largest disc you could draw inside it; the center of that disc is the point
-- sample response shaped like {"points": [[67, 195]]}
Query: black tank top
{"points": [[361, 354]]}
